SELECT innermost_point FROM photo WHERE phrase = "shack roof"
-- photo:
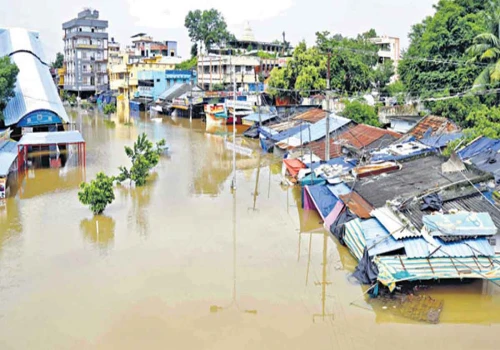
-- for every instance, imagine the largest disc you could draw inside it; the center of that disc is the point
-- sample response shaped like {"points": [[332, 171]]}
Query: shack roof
{"points": [[433, 125], [174, 91], [362, 136], [415, 177], [467, 199], [6, 160], [313, 115], [51, 138], [314, 132]]}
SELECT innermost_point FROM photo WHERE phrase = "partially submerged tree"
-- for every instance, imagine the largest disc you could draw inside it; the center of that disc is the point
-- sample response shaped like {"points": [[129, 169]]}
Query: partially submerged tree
{"points": [[98, 193], [8, 77], [109, 109], [144, 157]]}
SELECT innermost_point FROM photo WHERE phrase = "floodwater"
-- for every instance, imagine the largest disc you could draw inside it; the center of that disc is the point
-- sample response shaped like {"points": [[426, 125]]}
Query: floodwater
{"points": [[184, 263]]}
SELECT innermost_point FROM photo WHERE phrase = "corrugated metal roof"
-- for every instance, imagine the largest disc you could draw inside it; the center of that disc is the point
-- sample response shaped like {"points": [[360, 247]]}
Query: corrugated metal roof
{"points": [[393, 224], [6, 160], [378, 239], [416, 176], [51, 138], [478, 146], [362, 136], [433, 125], [460, 224], [420, 248], [316, 131], [174, 91], [264, 117], [357, 205], [354, 238], [35, 90], [471, 202], [393, 269], [313, 115]]}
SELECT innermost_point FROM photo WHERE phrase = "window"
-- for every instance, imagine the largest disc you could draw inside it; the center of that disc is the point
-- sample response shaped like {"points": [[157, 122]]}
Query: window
{"points": [[79, 29], [157, 80], [92, 30]]}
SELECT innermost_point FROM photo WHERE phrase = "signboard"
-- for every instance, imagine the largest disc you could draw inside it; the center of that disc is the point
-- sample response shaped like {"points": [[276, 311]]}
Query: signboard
{"points": [[26, 130]]}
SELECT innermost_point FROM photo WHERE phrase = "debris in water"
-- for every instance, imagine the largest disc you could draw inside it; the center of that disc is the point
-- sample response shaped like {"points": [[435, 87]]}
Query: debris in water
{"points": [[421, 308]]}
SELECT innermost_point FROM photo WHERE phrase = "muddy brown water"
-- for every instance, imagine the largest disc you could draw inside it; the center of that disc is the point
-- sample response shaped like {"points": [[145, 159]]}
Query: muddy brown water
{"points": [[183, 263]]}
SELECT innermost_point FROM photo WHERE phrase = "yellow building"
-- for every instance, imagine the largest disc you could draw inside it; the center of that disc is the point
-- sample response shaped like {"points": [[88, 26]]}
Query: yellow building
{"points": [[60, 78], [123, 75]]}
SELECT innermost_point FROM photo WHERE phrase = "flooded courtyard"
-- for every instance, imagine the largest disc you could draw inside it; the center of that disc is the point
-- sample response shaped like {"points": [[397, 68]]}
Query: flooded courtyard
{"points": [[186, 263]]}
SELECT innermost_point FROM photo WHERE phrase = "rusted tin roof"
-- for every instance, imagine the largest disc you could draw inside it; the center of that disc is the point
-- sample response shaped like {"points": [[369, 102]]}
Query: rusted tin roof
{"points": [[363, 135], [318, 148], [357, 205], [312, 116], [437, 125]]}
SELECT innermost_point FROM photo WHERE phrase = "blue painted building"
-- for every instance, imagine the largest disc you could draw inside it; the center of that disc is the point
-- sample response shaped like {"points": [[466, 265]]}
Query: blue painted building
{"points": [[153, 83], [36, 103]]}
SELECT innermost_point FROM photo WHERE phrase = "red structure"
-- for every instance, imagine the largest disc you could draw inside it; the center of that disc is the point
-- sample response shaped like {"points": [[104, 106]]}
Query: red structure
{"points": [[47, 139]]}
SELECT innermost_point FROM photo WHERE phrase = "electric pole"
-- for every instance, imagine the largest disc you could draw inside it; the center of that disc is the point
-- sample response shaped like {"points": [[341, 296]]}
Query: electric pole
{"points": [[327, 139]]}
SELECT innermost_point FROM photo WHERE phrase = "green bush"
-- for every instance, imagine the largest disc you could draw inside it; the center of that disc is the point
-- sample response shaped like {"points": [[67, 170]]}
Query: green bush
{"points": [[98, 193], [109, 109], [361, 113]]}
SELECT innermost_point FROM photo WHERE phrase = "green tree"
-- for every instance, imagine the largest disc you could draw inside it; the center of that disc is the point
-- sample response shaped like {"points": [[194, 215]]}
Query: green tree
{"points": [[194, 50], [360, 113], [383, 73], [109, 108], [58, 63], [144, 157], [436, 59], [8, 77], [98, 193], [218, 87], [208, 27], [188, 64], [486, 49]]}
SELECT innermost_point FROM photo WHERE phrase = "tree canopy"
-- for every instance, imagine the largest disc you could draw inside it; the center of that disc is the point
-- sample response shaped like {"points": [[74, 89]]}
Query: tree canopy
{"points": [[360, 112], [8, 77], [436, 61], [58, 63], [208, 27], [351, 66]]}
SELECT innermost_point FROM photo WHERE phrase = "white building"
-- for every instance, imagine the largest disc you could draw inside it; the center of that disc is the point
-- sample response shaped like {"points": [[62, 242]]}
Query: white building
{"points": [[389, 49], [217, 69]]}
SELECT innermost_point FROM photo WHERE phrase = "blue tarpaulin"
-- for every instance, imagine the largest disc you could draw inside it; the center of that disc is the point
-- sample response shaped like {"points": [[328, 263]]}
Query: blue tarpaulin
{"points": [[324, 199], [479, 146], [441, 140], [461, 224]]}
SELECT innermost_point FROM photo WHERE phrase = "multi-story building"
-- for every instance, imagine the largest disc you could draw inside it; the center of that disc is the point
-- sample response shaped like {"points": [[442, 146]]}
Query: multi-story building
{"points": [[389, 49], [124, 75], [86, 53], [143, 45], [113, 52], [218, 69]]}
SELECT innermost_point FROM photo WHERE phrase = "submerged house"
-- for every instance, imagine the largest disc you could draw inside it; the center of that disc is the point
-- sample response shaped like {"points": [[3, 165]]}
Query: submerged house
{"points": [[426, 221], [36, 105]]}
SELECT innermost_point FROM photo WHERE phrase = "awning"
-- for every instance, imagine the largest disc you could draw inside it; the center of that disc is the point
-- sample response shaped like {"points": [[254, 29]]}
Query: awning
{"points": [[51, 138]]}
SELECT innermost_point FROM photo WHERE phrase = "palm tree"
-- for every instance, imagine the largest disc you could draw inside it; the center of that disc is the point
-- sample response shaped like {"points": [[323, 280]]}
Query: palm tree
{"points": [[486, 49]]}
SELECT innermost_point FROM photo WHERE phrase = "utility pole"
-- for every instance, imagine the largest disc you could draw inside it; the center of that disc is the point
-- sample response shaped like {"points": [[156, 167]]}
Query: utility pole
{"points": [[191, 99], [233, 185], [327, 139]]}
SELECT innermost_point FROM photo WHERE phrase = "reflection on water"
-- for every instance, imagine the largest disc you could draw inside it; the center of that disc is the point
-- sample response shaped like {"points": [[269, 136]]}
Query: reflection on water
{"points": [[99, 230], [218, 270]]}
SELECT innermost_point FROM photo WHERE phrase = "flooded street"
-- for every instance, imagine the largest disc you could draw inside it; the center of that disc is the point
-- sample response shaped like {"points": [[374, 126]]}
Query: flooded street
{"points": [[184, 263]]}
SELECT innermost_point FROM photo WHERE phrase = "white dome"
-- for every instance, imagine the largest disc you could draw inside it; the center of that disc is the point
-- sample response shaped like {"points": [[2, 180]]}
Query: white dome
{"points": [[248, 33]]}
